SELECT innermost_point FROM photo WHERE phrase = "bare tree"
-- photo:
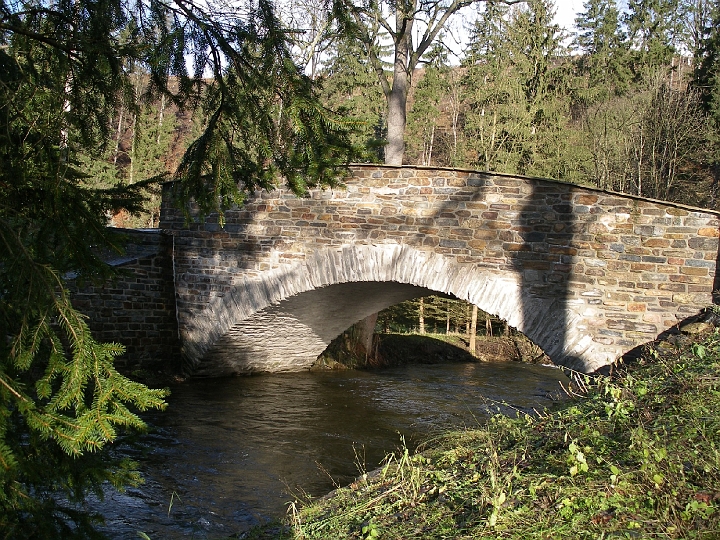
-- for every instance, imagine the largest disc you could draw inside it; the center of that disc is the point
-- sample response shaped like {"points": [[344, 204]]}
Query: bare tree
{"points": [[670, 138], [311, 29], [413, 25], [610, 128]]}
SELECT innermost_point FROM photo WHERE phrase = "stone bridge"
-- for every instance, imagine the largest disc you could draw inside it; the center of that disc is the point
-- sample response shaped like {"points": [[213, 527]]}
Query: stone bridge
{"points": [[587, 275]]}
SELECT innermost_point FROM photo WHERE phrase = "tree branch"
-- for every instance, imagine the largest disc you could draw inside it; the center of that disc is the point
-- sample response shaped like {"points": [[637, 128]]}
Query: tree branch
{"points": [[375, 61]]}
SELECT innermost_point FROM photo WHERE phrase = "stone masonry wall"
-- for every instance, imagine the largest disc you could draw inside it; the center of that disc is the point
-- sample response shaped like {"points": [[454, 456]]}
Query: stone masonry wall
{"points": [[586, 274], [136, 308]]}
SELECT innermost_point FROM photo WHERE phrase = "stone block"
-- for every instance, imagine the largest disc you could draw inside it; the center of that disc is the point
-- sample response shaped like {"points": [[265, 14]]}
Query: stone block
{"points": [[694, 271], [704, 243]]}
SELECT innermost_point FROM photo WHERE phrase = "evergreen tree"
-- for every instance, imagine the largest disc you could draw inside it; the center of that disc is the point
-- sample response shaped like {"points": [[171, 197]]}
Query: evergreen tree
{"points": [[605, 52], [707, 82], [400, 318], [487, 36], [516, 115], [534, 43], [654, 27], [499, 116], [440, 314], [64, 70], [707, 62], [152, 131], [349, 87], [424, 137], [489, 91]]}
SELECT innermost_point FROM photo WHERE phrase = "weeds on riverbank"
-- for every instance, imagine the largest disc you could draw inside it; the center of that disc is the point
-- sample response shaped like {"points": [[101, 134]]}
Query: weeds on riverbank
{"points": [[632, 456]]}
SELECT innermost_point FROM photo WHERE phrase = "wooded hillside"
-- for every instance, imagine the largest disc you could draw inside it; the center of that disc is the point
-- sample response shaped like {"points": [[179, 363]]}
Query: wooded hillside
{"points": [[629, 102]]}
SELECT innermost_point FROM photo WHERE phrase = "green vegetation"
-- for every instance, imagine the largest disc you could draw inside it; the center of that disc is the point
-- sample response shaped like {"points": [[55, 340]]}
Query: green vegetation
{"points": [[81, 139], [69, 73], [634, 455], [440, 315], [395, 350], [349, 87], [631, 105]]}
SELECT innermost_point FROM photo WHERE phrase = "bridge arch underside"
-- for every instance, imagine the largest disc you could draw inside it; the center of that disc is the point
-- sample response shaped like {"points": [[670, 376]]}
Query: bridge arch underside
{"points": [[290, 335], [282, 319]]}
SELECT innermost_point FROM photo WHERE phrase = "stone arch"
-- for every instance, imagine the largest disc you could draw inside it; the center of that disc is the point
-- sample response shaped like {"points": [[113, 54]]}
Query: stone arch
{"points": [[233, 326]]}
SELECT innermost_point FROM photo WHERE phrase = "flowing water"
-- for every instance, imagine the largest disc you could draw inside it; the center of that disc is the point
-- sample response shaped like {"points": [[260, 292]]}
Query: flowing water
{"points": [[230, 453]]}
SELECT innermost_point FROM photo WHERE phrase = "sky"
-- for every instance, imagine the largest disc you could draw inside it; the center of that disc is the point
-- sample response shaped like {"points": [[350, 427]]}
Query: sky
{"points": [[566, 12]]}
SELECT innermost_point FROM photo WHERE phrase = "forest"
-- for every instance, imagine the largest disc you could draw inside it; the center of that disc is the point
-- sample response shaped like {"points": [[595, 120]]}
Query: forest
{"points": [[625, 102], [628, 101]]}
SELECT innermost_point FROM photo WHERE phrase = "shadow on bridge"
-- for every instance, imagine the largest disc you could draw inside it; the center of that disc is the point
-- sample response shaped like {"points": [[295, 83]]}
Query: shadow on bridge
{"points": [[526, 265], [543, 263]]}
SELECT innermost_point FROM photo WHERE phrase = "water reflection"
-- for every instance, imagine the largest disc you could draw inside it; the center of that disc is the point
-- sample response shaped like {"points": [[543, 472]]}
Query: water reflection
{"points": [[229, 453]]}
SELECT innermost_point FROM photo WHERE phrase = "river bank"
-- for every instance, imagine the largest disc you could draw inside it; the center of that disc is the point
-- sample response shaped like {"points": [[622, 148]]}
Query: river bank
{"points": [[229, 453], [396, 349], [632, 455]]}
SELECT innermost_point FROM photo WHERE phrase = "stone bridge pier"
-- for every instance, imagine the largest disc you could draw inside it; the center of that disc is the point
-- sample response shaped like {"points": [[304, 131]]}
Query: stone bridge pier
{"points": [[586, 274]]}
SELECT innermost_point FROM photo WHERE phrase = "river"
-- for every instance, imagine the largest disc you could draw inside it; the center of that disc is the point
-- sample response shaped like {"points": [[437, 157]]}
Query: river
{"points": [[230, 453]]}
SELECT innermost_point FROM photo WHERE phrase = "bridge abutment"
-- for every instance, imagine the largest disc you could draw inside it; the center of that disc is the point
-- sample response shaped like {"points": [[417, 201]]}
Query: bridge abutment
{"points": [[137, 307]]}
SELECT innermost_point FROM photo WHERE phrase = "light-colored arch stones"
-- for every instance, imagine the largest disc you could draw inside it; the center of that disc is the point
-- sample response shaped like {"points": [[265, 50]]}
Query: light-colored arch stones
{"points": [[282, 320]]}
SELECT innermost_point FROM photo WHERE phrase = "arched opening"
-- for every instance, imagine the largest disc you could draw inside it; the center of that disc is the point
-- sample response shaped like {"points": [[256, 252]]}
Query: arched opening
{"points": [[290, 335], [317, 299], [439, 328]]}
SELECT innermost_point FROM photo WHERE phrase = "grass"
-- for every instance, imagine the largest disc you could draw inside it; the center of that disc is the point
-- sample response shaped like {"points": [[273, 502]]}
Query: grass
{"points": [[636, 455]]}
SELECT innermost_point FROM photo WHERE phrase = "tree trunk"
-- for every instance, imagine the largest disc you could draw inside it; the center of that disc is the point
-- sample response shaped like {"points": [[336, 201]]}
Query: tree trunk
{"points": [[161, 117], [455, 104], [397, 99], [430, 146], [118, 134], [366, 330], [131, 168], [421, 316], [447, 319], [473, 329]]}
